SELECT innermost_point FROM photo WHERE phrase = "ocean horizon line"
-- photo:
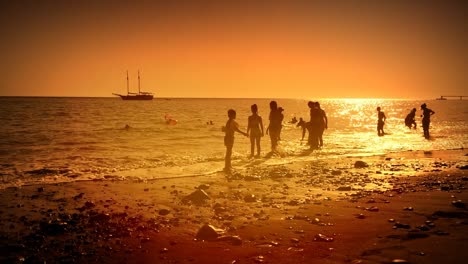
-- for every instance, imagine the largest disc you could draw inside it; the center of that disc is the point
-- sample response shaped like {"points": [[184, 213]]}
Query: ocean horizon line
{"points": [[223, 98]]}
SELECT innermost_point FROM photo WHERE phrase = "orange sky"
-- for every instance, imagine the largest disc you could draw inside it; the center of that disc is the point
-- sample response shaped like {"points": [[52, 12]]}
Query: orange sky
{"points": [[269, 49]]}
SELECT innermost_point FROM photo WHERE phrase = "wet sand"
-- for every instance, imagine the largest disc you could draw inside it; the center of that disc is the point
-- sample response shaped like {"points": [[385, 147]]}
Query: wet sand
{"points": [[398, 207]]}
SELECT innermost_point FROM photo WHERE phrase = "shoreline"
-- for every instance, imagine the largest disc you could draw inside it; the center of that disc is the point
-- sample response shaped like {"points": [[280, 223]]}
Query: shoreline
{"points": [[267, 214]]}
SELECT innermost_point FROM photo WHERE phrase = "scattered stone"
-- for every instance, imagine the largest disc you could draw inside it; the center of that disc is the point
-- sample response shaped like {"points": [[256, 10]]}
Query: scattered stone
{"points": [[78, 196], [250, 198], [323, 238], [344, 188], [203, 186], [464, 167], [40, 189], [458, 204], [209, 233], [372, 209], [197, 197], [336, 172], [400, 261], [234, 240], [401, 225], [360, 164], [360, 216], [408, 208], [163, 212]]}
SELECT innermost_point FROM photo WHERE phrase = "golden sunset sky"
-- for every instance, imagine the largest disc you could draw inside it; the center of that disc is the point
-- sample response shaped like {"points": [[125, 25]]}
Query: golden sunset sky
{"points": [[261, 49]]}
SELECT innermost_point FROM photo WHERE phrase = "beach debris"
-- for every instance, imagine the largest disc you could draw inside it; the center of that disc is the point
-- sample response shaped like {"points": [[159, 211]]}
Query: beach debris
{"points": [[458, 204], [408, 208], [197, 197], [209, 232], [323, 238], [164, 250], [360, 164]]}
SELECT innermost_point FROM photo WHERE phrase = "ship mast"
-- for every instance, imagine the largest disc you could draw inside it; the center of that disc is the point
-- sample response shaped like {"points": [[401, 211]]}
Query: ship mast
{"points": [[128, 90], [139, 82]]}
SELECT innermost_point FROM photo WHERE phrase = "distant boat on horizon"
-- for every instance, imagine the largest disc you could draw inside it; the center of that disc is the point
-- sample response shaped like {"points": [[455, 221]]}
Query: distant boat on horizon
{"points": [[135, 96]]}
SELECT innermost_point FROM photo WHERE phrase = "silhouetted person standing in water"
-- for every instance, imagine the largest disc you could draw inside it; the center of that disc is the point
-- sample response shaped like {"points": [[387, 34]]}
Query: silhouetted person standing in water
{"points": [[409, 120], [230, 128], [323, 124], [303, 125], [274, 127], [314, 125], [380, 122], [255, 129], [426, 119]]}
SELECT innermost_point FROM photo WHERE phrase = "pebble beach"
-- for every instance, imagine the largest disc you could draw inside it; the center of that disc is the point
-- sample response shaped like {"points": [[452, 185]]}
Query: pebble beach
{"points": [[407, 207]]}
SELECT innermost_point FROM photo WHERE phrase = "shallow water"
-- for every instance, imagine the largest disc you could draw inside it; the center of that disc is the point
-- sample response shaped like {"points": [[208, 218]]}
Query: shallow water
{"points": [[66, 139]]}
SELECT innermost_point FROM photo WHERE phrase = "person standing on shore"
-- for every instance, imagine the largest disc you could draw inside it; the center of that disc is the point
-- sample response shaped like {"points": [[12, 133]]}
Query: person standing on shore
{"points": [[275, 125], [381, 122], [255, 130], [409, 120], [323, 123], [314, 125], [426, 119], [230, 128]]}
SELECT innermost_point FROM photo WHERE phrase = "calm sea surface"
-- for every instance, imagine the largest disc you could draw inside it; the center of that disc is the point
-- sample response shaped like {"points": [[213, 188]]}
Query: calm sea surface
{"points": [[67, 139]]}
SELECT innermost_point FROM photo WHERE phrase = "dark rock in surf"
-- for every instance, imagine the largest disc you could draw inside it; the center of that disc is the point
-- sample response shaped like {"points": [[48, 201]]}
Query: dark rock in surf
{"points": [[360, 164]]}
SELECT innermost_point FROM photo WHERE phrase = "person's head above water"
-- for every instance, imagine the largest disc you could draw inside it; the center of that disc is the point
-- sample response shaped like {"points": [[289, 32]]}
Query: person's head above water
{"points": [[310, 104], [423, 106], [231, 114], [378, 108], [273, 105], [254, 108], [414, 110]]}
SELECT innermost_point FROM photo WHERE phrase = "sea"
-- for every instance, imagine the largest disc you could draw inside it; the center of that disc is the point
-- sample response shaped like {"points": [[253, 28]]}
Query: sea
{"points": [[55, 139]]}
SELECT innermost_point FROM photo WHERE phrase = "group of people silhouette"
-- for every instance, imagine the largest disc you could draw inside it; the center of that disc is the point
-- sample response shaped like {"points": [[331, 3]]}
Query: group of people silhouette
{"points": [[255, 129], [316, 126], [410, 120]]}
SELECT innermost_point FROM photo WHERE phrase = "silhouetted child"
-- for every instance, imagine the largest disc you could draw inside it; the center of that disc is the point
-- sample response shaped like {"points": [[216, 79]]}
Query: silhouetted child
{"points": [[230, 128], [380, 122], [255, 130], [426, 119], [409, 120], [303, 125]]}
